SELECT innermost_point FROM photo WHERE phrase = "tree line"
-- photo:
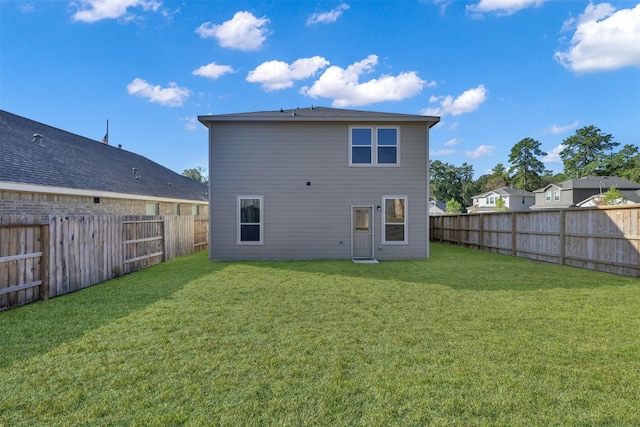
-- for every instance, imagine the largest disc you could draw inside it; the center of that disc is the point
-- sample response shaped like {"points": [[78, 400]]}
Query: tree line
{"points": [[589, 152]]}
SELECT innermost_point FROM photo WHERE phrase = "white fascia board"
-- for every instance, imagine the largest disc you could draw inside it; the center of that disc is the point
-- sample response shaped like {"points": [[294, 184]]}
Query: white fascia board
{"points": [[33, 188]]}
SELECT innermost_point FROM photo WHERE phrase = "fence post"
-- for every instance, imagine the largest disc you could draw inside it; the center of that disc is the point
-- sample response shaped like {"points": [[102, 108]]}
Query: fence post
{"points": [[481, 231], [563, 225], [44, 262], [514, 234]]}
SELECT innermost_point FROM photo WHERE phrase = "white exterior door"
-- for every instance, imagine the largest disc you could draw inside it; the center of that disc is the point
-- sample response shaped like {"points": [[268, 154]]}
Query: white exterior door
{"points": [[362, 244]]}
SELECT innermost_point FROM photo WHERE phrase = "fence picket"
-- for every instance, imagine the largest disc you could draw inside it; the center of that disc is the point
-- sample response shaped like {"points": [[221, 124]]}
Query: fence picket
{"points": [[604, 239], [40, 261]]}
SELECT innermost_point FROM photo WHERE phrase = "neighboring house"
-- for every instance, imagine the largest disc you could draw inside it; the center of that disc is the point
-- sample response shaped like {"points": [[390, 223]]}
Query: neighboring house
{"points": [[514, 200], [629, 197], [45, 170], [436, 207], [318, 183], [569, 193]]}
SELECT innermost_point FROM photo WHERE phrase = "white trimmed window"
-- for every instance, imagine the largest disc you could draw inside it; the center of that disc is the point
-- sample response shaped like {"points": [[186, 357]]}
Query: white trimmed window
{"points": [[152, 208], [556, 195], [394, 221], [370, 145], [250, 220], [547, 196]]}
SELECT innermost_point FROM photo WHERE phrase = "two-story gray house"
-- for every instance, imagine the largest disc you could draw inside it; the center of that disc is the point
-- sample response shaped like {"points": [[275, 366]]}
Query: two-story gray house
{"points": [[319, 183], [515, 200], [570, 193]]}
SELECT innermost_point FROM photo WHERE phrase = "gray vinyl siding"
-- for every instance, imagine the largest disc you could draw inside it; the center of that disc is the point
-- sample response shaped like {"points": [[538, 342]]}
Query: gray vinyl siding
{"points": [[276, 160]]}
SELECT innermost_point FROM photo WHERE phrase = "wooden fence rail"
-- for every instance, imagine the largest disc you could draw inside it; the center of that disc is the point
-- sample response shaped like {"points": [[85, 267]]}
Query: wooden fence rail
{"points": [[604, 239], [39, 261]]}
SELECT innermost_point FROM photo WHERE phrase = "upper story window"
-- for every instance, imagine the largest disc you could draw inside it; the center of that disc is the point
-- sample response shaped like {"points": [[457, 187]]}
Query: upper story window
{"points": [[547, 196], [556, 195], [374, 146], [491, 200]]}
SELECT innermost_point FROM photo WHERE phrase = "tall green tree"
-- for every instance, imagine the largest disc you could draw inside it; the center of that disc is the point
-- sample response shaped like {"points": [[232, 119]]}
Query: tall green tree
{"points": [[625, 163], [526, 165], [498, 178], [587, 152], [197, 174], [452, 182]]}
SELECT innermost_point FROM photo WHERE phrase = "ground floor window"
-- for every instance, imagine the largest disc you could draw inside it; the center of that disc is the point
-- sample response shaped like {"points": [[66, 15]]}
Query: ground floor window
{"points": [[394, 227], [250, 220]]}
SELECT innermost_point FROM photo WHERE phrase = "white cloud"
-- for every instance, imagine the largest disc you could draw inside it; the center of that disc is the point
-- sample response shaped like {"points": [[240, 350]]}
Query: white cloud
{"points": [[26, 7], [191, 123], [481, 151], [243, 32], [503, 7], [276, 75], [468, 101], [343, 85], [603, 39], [553, 156], [96, 10], [443, 5], [441, 152], [327, 17], [557, 129], [213, 70], [453, 141], [172, 96]]}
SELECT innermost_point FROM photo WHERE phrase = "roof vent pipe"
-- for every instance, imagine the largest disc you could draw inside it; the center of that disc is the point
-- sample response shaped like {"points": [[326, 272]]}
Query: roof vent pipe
{"points": [[37, 138]]}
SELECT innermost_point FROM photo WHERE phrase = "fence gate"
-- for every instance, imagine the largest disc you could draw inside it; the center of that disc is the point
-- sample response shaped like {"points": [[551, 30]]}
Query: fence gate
{"points": [[22, 260], [143, 241]]}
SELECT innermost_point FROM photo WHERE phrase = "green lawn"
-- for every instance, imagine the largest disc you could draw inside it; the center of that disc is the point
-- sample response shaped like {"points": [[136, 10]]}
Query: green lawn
{"points": [[465, 338]]}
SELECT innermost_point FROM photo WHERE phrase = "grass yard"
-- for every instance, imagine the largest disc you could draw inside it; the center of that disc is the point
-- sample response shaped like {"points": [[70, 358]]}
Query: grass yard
{"points": [[466, 338]]}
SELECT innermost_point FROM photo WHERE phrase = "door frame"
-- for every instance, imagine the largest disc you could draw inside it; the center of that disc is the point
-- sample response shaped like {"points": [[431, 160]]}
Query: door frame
{"points": [[373, 213]]}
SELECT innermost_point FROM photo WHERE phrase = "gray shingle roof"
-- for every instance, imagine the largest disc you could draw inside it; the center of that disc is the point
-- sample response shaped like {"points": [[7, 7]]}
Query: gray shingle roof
{"points": [[595, 182], [320, 114], [72, 161]]}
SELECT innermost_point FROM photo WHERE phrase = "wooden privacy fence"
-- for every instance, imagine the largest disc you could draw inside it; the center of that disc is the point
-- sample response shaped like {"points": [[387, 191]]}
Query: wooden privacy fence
{"points": [[23, 260], [39, 261], [604, 239]]}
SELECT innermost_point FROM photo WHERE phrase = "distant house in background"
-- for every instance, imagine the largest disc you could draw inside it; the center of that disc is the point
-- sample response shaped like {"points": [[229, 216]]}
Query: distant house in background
{"points": [[629, 197], [313, 183], [436, 207], [514, 200], [45, 170], [570, 193]]}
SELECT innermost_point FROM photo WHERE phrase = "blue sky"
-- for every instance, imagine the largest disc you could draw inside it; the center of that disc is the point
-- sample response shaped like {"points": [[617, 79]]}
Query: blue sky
{"points": [[496, 71]]}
